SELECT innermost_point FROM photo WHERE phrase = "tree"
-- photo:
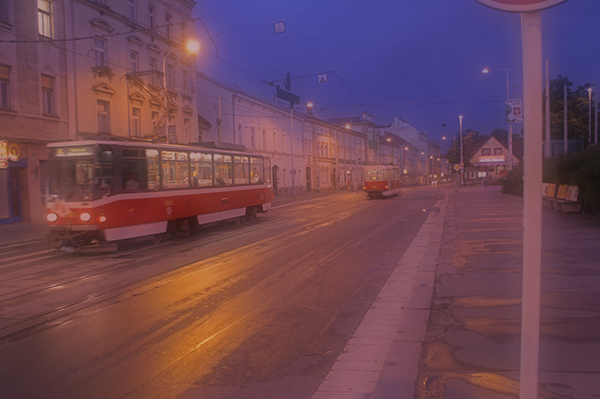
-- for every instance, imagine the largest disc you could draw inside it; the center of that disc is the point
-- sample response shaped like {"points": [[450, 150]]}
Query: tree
{"points": [[577, 110], [471, 141]]}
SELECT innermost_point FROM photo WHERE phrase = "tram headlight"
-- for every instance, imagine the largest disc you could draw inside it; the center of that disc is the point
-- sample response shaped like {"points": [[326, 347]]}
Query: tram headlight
{"points": [[52, 217], [85, 217], [102, 219]]}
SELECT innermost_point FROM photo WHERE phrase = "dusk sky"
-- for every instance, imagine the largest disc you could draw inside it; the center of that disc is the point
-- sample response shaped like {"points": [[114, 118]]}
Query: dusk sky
{"points": [[419, 60]]}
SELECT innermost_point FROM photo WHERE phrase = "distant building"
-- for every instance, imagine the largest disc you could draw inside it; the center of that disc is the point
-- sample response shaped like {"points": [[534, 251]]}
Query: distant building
{"points": [[489, 161]]}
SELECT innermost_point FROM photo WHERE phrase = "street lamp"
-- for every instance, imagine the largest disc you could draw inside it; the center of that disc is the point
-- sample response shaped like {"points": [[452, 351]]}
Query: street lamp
{"points": [[309, 105], [488, 70], [462, 161], [590, 114], [337, 152]]}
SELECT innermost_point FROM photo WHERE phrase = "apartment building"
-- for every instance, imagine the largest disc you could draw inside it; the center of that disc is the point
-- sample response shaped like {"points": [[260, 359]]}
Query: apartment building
{"points": [[76, 69]]}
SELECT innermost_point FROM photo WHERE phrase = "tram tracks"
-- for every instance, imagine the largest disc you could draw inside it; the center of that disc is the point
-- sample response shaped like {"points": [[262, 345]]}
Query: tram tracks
{"points": [[25, 306]]}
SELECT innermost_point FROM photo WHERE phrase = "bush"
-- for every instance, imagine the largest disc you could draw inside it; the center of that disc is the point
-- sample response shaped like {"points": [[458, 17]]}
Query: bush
{"points": [[582, 170], [513, 183]]}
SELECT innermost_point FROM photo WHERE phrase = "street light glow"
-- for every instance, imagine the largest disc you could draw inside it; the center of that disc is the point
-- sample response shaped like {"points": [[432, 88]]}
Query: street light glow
{"points": [[486, 70], [193, 47]]}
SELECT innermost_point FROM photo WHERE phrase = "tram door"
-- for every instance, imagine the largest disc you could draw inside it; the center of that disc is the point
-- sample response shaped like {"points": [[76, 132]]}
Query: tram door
{"points": [[10, 200], [275, 179]]}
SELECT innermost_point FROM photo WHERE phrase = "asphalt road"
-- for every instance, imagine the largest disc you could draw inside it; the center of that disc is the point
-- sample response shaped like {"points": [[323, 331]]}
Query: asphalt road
{"points": [[260, 310]]}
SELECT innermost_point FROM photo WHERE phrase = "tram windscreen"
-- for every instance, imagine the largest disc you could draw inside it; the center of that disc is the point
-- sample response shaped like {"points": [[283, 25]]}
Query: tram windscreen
{"points": [[375, 174], [72, 173]]}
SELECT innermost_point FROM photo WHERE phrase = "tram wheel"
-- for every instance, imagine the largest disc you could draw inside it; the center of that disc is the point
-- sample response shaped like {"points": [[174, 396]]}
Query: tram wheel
{"points": [[158, 238], [184, 228], [252, 214]]}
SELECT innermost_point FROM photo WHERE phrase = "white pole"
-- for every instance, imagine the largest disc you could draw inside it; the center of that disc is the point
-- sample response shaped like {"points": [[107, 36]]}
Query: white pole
{"points": [[532, 219], [590, 115], [293, 171], [596, 120], [510, 149], [566, 134], [462, 161], [547, 141]]}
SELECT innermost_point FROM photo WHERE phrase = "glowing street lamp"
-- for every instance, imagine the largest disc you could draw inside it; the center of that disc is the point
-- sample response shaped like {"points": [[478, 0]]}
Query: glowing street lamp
{"points": [[488, 70]]}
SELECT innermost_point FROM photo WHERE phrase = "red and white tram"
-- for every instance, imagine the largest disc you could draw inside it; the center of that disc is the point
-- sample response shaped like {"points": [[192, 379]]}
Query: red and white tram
{"points": [[382, 180], [106, 191]]}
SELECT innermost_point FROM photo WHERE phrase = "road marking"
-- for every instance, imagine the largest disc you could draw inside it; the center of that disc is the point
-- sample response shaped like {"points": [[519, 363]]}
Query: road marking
{"points": [[357, 369]]}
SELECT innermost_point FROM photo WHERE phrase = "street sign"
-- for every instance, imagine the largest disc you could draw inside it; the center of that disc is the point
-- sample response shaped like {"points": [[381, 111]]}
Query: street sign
{"points": [[520, 5], [514, 110], [456, 167], [287, 96]]}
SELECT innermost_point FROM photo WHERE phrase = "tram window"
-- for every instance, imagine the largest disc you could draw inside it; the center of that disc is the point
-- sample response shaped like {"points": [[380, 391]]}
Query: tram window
{"points": [[223, 170], [241, 170], [175, 169], [140, 169], [257, 172], [202, 169]]}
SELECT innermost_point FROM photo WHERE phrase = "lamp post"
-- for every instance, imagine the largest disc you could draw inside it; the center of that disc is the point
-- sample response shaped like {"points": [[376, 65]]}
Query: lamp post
{"points": [[309, 105], [462, 161], [590, 114], [510, 157], [337, 151]]}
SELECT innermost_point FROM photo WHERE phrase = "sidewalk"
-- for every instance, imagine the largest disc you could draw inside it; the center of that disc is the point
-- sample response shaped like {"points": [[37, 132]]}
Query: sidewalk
{"points": [[472, 348]]}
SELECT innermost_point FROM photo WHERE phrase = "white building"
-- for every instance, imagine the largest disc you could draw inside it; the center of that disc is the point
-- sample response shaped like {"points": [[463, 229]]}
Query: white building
{"points": [[323, 155]]}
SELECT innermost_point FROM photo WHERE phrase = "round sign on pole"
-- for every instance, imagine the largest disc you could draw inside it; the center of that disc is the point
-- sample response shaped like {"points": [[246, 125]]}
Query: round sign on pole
{"points": [[520, 5]]}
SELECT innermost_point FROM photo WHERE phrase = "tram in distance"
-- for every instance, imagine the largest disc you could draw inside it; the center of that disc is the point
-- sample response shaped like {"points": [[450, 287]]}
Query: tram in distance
{"points": [[107, 191], [382, 180]]}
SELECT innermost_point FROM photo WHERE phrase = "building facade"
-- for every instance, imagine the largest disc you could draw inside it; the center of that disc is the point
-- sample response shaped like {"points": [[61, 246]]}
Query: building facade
{"points": [[75, 69]]}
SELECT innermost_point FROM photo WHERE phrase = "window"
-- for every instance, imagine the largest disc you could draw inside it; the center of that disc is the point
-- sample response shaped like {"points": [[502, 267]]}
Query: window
{"points": [[223, 170], [240, 134], [485, 151], [100, 52], [4, 87], [170, 76], [202, 169], [44, 28], [240, 170], [140, 169], [132, 10], [153, 67], [186, 129], [136, 129], [168, 20], [183, 34], [103, 112], [257, 172], [154, 118], [151, 16], [186, 81], [175, 169], [3, 12], [264, 139], [497, 151], [252, 139], [48, 95], [134, 58]]}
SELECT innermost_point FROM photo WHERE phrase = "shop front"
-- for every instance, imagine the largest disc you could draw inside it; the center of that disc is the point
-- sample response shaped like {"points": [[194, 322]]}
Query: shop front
{"points": [[20, 182]]}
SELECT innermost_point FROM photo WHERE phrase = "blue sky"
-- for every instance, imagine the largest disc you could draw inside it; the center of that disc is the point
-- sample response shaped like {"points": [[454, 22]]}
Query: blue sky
{"points": [[418, 60]]}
